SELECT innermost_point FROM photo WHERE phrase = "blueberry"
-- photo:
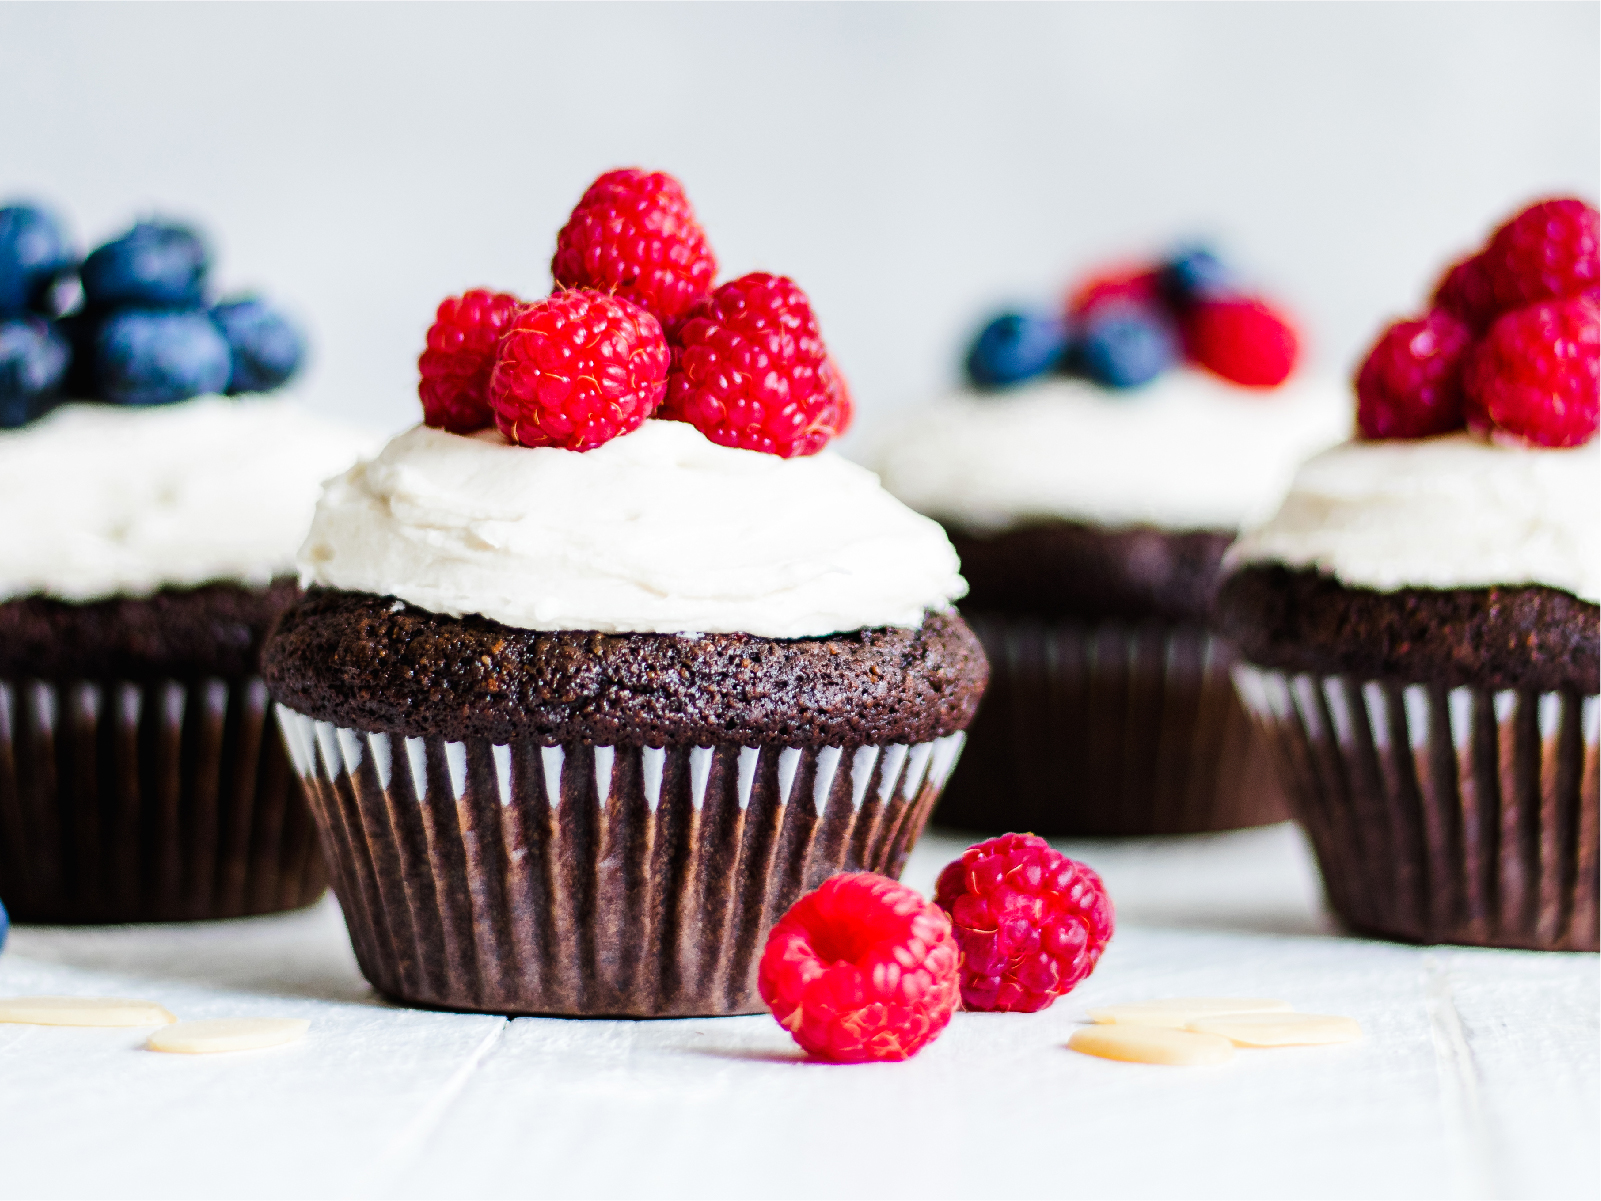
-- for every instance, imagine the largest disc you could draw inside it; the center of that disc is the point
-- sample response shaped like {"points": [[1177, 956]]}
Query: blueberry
{"points": [[266, 348], [1015, 347], [1123, 346], [147, 357], [33, 250], [153, 265], [5, 927], [1196, 274], [33, 360]]}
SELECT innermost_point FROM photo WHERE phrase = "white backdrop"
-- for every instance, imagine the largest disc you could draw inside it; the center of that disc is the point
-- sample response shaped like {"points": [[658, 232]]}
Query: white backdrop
{"points": [[910, 165]]}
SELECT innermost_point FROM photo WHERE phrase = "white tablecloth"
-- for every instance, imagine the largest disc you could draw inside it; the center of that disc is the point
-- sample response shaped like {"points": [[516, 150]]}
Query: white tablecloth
{"points": [[1478, 1076]]}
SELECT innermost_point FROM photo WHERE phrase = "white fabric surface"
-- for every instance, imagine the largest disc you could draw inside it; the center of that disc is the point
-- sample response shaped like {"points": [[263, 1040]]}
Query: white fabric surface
{"points": [[1479, 1075]]}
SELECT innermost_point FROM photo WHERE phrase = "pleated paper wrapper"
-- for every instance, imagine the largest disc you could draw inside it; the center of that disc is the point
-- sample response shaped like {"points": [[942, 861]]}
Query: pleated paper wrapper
{"points": [[593, 880], [149, 801], [1109, 729], [1456, 815]]}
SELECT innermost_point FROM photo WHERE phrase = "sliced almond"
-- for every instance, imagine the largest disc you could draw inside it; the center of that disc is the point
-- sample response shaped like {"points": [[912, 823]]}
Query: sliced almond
{"points": [[1280, 1029], [1151, 1044], [82, 1011], [1178, 1012], [227, 1034]]}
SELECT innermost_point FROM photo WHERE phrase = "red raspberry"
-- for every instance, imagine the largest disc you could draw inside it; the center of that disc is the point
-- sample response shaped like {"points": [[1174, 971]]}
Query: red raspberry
{"points": [[461, 353], [845, 405], [1135, 283], [1465, 292], [861, 969], [1546, 252], [1410, 384], [577, 370], [1030, 921], [1245, 341], [1533, 379], [633, 234], [750, 370]]}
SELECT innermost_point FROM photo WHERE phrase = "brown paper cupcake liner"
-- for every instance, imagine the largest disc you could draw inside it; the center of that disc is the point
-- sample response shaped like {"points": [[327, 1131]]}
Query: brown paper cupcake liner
{"points": [[149, 801], [593, 880], [1456, 815], [1109, 729]]}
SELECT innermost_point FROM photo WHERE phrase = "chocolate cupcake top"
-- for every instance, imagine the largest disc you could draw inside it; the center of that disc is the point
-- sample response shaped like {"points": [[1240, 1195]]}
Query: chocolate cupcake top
{"points": [[103, 501], [659, 530], [1448, 512], [1186, 452]]}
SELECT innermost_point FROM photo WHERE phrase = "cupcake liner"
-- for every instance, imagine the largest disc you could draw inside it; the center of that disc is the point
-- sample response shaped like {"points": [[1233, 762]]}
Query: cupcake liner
{"points": [[148, 801], [1456, 815], [593, 880], [1109, 728]]}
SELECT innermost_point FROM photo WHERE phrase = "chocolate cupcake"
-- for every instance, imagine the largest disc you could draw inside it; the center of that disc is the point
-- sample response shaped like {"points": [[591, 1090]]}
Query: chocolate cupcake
{"points": [[1091, 525], [145, 554], [578, 727], [1419, 625]]}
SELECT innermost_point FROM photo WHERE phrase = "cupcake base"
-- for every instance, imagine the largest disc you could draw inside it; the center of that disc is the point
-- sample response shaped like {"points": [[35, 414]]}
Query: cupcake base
{"points": [[148, 801], [1442, 815], [589, 880], [1109, 729]]}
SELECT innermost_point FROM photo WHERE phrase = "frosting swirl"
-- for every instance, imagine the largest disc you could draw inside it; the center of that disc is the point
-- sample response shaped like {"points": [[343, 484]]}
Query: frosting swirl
{"points": [[104, 501], [1445, 512], [1186, 452], [658, 531]]}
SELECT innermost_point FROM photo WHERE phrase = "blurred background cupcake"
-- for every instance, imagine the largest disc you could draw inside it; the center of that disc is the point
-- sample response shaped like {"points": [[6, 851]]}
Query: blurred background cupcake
{"points": [[152, 506], [585, 701], [1091, 475], [1420, 620]]}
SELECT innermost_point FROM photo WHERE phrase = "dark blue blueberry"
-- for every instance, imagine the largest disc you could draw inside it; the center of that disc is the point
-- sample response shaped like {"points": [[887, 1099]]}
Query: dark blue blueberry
{"points": [[1015, 347], [33, 250], [33, 360], [153, 265], [1123, 346], [151, 358], [266, 348], [1196, 274], [5, 927]]}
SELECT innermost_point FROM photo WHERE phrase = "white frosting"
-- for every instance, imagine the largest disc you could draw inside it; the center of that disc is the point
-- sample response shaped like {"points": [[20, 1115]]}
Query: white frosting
{"points": [[657, 531], [1185, 452], [1448, 512], [98, 500]]}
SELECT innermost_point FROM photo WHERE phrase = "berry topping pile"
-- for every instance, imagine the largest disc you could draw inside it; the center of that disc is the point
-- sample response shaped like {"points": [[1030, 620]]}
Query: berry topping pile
{"points": [[865, 969], [1508, 348], [861, 969], [636, 329], [132, 324], [1125, 325], [1031, 923]]}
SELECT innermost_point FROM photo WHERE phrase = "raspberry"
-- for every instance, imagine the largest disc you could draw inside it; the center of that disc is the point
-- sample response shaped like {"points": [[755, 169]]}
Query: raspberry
{"points": [[1533, 379], [578, 369], [1031, 922], [1133, 283], [633, 234], [844, 403], [1546, 252], [861, 969], [461, 353], [1410, 384], [1465, 292], [1244, 341], [750, 370]]}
